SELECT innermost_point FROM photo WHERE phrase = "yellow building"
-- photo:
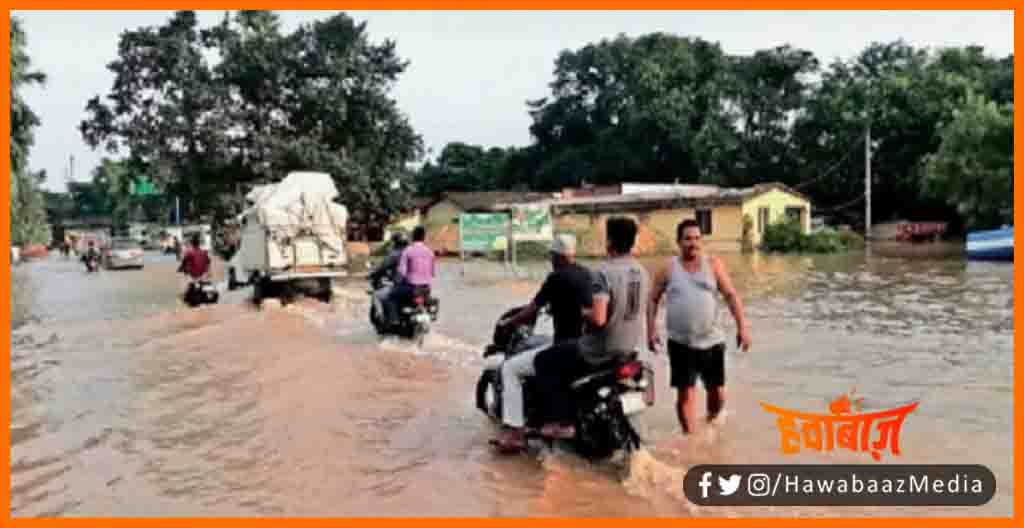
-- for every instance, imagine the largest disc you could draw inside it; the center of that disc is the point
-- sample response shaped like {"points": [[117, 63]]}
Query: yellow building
{"points": [[721, 212]]}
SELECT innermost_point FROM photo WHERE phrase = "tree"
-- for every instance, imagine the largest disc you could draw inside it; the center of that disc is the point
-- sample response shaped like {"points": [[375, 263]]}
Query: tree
{"points": [[973, 168], [645, 109], [770, 89], [113, 183], [906, 95], [316, 99], [342, 117], [462, 167], [163, 109], [28, 210]]}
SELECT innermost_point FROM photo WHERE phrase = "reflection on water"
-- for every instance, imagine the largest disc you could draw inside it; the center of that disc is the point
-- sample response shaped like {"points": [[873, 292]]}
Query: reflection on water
{"points": [[125, 403]]}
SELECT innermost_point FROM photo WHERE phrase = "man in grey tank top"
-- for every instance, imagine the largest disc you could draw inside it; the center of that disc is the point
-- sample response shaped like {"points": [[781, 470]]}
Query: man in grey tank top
{"points": [[691, 284]]}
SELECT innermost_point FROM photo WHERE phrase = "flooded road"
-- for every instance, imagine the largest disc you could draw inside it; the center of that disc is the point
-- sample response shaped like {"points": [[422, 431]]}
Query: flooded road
{"points": [[125, 403]]}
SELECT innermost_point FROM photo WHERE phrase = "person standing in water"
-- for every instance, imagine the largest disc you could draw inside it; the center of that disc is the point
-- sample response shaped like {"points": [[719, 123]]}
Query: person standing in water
{"points": [[692, 283]]}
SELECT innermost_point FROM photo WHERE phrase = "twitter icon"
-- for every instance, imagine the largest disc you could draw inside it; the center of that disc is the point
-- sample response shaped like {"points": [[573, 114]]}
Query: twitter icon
{"points": [[728, 486]]}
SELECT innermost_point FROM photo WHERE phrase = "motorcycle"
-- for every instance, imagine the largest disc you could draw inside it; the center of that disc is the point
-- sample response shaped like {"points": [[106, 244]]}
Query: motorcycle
{"points": [[200, 291], [414, 316], [604, 400], [92, 263]]}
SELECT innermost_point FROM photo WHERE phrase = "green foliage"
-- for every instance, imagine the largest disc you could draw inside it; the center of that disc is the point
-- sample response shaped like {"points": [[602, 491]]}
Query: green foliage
{"points": [[973, 168], [852, 240], [28, 212], [462, 168], [317, 98], [788, 237], [210, 112], [644, 109], [907, 95], [664, 108], [533, 250], [28, 207]]}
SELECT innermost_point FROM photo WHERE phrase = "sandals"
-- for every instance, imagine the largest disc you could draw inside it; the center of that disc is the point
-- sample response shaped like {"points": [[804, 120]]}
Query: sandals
{"points": [[509, 441]]}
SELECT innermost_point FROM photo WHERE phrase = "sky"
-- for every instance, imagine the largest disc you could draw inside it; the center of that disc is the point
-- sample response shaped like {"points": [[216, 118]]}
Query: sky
{"points": [[470, 73]]}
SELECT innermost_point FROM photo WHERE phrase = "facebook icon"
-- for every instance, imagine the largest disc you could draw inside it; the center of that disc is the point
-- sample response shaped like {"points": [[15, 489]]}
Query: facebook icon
{"points": [[705, 483]]}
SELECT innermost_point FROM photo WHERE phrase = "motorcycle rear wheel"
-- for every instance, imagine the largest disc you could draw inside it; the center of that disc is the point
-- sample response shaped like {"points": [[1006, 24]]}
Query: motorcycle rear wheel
{"points": [[488, 395], [375, 320], [598, 439]]}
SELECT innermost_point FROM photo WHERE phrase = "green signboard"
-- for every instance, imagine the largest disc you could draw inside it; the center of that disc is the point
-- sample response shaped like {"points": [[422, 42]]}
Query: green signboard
{"points": [[482, 231], [531, 222], [142, 187]]}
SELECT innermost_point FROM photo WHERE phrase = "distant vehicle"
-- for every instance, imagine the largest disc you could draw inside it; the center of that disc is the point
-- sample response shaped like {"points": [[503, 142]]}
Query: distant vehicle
{"points": [[123, 253], [292, 235], [154, 241]]}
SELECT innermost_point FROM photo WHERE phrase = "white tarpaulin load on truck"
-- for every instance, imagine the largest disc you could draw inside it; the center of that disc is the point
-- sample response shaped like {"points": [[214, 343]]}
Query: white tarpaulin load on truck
{"points": [[258, 191], [301, 208]]}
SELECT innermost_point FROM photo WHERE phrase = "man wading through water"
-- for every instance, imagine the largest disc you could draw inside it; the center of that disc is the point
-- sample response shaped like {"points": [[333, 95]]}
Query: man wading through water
{"points": [[696, 339]]}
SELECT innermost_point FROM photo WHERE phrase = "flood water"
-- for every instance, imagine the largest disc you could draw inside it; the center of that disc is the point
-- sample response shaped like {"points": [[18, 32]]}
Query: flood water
{"points": [[125, 403]]}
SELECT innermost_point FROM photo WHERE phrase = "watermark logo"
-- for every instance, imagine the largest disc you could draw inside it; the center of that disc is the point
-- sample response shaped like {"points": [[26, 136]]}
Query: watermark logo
{"points": [[839, 485], [728, 486], [845, 427]]}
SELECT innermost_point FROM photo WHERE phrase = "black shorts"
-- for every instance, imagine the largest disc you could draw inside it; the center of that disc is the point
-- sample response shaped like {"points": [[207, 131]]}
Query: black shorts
{"points": [[687, 363]]}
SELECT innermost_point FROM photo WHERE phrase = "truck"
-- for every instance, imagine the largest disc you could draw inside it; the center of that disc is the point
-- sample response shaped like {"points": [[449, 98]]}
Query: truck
{"points": [[293, 237]]}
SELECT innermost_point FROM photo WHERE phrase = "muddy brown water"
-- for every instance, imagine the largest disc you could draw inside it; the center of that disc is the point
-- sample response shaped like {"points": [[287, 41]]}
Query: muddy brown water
{"points": [[125, 403]]}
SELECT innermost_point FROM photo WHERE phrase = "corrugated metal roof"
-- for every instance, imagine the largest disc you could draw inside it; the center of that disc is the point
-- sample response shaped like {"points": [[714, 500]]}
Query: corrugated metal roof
{"points": [[684, 194]]}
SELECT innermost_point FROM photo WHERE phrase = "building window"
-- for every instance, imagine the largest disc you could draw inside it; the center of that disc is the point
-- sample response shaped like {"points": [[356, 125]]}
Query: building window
{"points": [[795, 213], [704, 219], [762, 219]]}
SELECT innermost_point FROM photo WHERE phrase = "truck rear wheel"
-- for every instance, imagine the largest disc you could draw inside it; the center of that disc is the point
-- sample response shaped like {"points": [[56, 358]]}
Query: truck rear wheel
{"points": [[260, 286], [326, 290], [286, 292]]}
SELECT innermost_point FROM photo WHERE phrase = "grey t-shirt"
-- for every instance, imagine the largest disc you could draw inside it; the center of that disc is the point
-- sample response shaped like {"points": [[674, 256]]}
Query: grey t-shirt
{"points": [[627, 285]]}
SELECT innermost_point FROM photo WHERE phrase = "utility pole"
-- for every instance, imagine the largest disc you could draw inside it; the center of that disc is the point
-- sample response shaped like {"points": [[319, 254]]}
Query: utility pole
{"points": [[867, 183]]}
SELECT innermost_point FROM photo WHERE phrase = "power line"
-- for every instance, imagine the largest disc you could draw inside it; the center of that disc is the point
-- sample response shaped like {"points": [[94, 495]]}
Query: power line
{"points": [[833, 167], [851, 203]]}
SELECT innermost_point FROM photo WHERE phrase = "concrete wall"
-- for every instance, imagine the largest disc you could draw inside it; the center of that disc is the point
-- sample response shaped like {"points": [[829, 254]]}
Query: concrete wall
{"points": [[657, 230], [442, 223]]}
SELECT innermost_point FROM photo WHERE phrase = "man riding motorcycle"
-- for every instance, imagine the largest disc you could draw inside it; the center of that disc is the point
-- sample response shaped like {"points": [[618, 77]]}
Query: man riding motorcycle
{"points": [[91, 257], [196, 262], [416, 269], [567, 290], [621, 288], [388, 269]]}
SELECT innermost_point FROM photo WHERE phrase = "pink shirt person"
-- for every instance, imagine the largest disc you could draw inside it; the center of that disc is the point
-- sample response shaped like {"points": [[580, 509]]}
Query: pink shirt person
{"points": [[417, 264]]}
